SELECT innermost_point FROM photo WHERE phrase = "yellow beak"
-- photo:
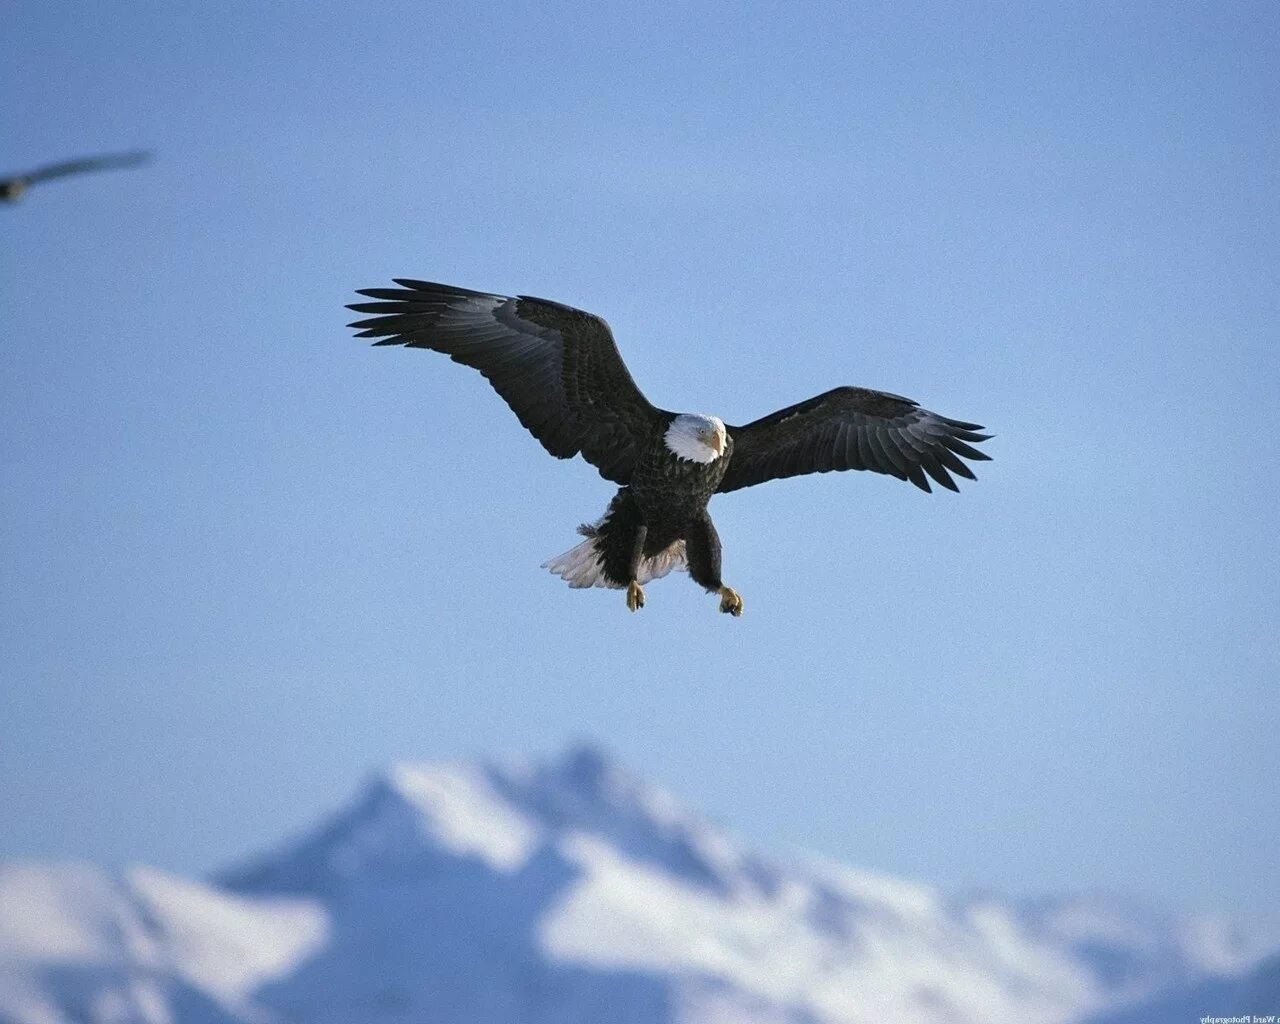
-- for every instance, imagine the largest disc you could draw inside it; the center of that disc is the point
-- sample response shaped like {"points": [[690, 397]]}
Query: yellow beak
{"points": [[717, 442]]}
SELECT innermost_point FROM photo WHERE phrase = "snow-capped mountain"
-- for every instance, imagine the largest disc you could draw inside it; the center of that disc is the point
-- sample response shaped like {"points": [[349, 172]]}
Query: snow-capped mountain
{"points": [[567, 892]]}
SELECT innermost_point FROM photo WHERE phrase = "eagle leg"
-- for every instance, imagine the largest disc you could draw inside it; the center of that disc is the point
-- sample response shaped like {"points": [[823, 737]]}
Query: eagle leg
{"points": [[702, 545], [635, 592], [730, 601]]}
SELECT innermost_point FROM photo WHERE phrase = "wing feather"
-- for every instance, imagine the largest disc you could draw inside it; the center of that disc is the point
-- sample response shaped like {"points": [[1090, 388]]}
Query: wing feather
{"points": [[948, 458], [557, 367], [83, 166], [887, 455], [855, 428]]}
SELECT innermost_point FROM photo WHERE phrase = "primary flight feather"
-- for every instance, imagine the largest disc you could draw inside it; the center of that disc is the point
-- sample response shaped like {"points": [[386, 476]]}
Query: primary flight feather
{"points": [[560, 371]]}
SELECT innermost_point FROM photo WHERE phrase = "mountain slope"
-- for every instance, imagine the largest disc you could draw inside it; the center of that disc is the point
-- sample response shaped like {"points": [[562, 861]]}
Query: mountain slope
{"points": [[565, 892], [1255, 996], [81, 944]]}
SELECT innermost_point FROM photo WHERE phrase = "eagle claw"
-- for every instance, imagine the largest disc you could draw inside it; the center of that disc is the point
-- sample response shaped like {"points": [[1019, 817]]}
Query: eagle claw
{"points": [[730, 601], [635, 596]]}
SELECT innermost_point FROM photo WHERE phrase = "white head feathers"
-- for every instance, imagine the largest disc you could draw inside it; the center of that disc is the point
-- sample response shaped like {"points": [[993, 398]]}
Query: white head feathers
{"points": [[696, 438]]}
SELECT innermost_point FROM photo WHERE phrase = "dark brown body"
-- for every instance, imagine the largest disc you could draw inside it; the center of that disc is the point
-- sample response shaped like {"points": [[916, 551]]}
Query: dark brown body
{"points": [[665, 502]]}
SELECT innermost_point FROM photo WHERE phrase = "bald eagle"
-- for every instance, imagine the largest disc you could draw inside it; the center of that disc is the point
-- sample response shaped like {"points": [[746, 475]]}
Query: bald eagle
{"points": [[12, 188], [560, 371]]}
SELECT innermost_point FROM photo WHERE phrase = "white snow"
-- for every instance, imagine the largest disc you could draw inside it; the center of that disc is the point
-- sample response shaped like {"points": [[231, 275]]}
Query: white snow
{"points": [[566, 892], [221, 942], [56, 914], [80, 943], [460, 811], [923, 967]]}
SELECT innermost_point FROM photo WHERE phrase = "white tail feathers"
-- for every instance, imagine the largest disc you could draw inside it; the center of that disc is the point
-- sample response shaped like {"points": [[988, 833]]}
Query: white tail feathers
{"points": [[582, 566]]}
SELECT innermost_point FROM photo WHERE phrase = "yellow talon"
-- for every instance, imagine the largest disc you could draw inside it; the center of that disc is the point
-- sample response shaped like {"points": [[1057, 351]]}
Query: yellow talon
{"points": [[730, 601], [635, 596]]}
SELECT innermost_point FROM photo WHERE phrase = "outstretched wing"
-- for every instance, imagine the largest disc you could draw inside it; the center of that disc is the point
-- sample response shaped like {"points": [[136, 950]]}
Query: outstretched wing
{"points": [[557, 367], [96, 163], [854, 428]]}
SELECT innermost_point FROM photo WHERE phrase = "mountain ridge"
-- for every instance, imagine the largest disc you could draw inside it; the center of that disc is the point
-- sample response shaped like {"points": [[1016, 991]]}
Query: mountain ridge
{"points": [[565, 891]]}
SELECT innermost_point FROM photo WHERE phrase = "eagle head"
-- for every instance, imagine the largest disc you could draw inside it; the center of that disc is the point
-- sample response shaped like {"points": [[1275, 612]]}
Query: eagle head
{"points": [[696, 438]]}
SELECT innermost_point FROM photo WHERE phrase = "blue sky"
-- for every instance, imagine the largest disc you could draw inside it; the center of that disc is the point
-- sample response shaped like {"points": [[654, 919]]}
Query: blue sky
{"points": [[248, 560]]}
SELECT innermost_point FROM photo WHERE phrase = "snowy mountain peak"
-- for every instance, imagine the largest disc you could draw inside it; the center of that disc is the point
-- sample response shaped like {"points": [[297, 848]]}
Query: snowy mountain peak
{"points": [[406, 821], [421, 817], [456, 808], [586, 777], [585, 793], [587, 767], [581, 788]]}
